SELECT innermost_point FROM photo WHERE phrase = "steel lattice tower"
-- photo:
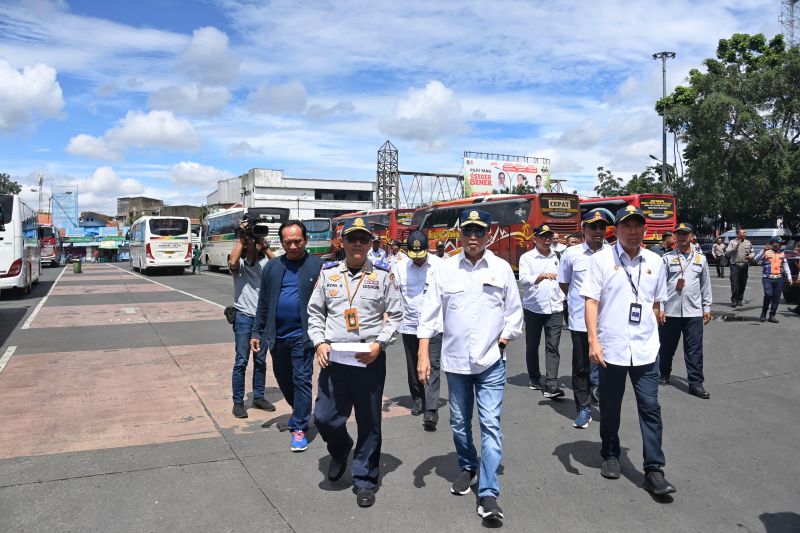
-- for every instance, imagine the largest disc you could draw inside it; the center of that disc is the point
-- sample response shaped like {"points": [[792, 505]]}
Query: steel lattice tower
{"points": [[790, 20], [387, 193]]}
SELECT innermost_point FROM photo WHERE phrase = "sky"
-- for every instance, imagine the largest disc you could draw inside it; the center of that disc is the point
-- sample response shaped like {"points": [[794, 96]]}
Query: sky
{"points": [[164, 98]]}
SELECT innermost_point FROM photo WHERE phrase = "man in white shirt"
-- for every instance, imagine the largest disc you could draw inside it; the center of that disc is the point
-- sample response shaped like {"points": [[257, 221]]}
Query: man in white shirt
{"points": [[476, 295], [559, 243], [376, 254], [571, 274], [413, 276], [624, 291], [395, 255], [543, 304]]}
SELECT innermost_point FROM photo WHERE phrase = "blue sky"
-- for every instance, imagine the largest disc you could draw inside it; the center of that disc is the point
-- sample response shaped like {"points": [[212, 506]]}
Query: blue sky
{"points": [[163, 98]]}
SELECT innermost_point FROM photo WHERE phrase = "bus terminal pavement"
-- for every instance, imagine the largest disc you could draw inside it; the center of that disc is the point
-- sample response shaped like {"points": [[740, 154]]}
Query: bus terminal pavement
{"points": [[115, 415]]}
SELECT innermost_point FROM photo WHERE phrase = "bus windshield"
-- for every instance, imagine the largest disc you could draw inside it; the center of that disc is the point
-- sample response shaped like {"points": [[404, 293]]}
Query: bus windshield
{"points": [[46, 232], [7, 206], [168, 227], [317, 225]]}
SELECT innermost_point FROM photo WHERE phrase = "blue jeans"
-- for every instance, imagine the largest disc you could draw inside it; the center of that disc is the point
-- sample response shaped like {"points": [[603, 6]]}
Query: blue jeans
{"points": [[488, 386], [773, 288], [242, 327], [293, 365]]}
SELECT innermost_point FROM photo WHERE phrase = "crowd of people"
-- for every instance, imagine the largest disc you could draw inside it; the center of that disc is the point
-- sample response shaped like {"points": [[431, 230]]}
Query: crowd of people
{"points": [[626, 309]]}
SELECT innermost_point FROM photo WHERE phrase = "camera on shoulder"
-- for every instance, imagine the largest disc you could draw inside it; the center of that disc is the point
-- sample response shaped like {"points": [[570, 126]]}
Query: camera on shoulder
{"points": [[254, 229]]}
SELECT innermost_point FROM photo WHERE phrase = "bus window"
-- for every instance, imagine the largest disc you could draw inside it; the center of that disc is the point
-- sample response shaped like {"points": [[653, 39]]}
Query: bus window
{"points": [[168, 227]]}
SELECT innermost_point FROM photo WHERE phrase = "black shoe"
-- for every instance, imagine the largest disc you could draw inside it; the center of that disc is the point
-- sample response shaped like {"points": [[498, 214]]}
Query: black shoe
{"points": [[654, 482], [263, 404], [663, 380], [763, 317], [700, 392], [339, 464], [462, 484], [418, 407], [488, 508], [610, 468], [430, 420], [552, 392], [365, 497], [796, 310], [594, 393], [535, 384], [734, 304], [772, 319], [239, 411]]}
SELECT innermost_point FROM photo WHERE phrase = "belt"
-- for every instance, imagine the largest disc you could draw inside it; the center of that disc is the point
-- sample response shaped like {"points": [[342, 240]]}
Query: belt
{"points": [[740, 264], [774, 277]]}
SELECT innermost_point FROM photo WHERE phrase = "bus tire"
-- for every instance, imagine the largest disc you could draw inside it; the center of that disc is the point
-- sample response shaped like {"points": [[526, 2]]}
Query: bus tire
{"points": [[27, 288], [213, 268]]}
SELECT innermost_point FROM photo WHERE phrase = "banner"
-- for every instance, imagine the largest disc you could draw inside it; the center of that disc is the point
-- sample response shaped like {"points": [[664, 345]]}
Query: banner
{"points": [[481, 176]]}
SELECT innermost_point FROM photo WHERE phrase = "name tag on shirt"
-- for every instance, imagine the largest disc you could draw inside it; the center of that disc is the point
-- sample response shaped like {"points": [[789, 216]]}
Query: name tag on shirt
{"points": [[635, 313]]}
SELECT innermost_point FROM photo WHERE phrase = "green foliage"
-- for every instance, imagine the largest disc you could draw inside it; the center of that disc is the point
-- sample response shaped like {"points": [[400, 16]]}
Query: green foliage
{"points": [[648, 181], [740, 123], [7, 185]]}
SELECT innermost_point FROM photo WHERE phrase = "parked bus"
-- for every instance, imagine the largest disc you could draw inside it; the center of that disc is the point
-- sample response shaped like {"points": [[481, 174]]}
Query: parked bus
{"points": [[388, 224], [20, 254], [513, 220], [220, 230], [197, 235], [320, 235], [160, 243], [659, 209], [50, 245]]}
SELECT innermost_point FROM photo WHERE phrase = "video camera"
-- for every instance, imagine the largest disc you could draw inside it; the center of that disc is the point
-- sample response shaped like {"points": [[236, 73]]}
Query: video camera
{"points": [[256, 227]]}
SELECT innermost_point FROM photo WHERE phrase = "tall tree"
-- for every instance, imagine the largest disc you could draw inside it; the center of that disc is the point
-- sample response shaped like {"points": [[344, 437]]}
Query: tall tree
{"points": [[740, 123], [7, 185]]}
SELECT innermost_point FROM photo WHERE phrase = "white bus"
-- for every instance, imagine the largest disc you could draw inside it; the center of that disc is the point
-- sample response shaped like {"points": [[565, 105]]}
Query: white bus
{"points": [[160, 243], [220, 232], [197, 235], [20, 254]]}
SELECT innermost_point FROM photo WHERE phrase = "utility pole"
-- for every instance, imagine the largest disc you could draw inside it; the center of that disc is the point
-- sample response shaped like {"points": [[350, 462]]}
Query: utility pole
{"points": [[663, 56], [41, 180]]}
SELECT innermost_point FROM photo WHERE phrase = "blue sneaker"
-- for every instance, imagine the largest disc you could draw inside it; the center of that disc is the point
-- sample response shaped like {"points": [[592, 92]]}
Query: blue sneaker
{"points": [[583, 418], [299, 441]]}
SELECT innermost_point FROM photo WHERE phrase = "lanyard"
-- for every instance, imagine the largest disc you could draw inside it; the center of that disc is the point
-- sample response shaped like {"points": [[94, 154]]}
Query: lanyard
{"points": [[635, 288], [347, 284], [680, 262]]}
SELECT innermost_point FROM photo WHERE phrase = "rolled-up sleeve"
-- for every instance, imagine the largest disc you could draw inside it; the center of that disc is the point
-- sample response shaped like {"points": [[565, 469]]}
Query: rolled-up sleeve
{"points": [[317, 312], [512, 309], [431, 308]]}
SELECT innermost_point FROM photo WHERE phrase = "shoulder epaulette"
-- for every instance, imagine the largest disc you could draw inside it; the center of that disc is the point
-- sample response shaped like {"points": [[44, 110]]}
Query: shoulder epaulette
{"points": [[330, 264], [380, 265]]}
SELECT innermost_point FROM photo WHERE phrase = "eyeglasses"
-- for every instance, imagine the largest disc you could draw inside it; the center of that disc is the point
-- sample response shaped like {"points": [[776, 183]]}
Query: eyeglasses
{"points": [[363, 239], [477, 232]]}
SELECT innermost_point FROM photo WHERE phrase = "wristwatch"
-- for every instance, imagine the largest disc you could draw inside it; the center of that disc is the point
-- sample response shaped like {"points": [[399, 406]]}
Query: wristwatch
{"points": [[382, 344]]}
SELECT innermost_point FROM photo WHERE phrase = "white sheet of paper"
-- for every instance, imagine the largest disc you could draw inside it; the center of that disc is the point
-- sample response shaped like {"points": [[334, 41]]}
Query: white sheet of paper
{"points": [[345, 352]]}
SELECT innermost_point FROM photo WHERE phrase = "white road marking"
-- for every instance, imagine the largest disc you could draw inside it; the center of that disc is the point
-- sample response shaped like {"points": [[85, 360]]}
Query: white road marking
{"points": [[6, 356], [170, 288], [38, 308], [215, 274]]}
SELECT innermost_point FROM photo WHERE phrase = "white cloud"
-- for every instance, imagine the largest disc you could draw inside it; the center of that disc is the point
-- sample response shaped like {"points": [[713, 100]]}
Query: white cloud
{"points": [[159, 129], [319, 112], [104, 181], [208, 58], [426, 115], [192, 99], [288, 98], [194, 174], [243, 149], [28, 95]]}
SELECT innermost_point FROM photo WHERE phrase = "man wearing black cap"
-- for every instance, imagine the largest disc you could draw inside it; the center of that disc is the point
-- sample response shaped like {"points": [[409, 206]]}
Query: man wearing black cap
{"points": [[543, 304], [440, 249], [376, 254], [739, 253], [667, 243], [412, 277], [475, 296], [774, 273], [348, 305], [571, 274], [688, 309], [624, 291]]}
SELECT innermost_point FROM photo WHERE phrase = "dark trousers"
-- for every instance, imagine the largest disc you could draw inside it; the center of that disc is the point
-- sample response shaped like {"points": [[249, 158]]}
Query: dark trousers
{"points": [[773, 288], [738, 281], [644, 379], [580, 369], [721, 266], [429, 392], [669, 334], [341, 388], [242, 326], [534, 323], [293, 364]]}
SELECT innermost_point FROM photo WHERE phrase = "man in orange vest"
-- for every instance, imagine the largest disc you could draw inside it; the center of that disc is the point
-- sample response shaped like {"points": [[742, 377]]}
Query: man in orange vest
{"points": [[773, 268]]}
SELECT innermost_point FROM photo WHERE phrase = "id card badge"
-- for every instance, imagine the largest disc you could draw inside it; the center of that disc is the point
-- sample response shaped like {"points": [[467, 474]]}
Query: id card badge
{"points": [[351, 319], [679, 284], [635, 313]]}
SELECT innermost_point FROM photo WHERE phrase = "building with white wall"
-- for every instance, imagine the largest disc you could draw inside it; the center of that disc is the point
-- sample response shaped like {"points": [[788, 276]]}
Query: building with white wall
{"points": [[306, 198]]}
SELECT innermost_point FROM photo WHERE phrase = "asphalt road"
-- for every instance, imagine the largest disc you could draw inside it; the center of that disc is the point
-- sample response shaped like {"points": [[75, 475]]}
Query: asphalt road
{"points": [[115, 416]]}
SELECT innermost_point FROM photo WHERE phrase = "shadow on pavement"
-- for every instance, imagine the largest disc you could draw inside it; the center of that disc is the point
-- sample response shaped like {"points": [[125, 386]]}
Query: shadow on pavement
{"points": [[444, 466], [9, 319], [405, 401], [389, 463], [587, 453], [780, 522], [520, 380], [563, 406]]}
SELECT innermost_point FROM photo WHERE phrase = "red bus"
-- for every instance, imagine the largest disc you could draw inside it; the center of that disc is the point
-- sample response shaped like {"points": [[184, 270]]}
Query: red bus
{"points": [[388, 224], [50, 244], [513, 220], [659, 209]]}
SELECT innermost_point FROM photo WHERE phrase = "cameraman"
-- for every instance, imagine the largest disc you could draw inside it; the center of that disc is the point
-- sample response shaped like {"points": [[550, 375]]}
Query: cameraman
{"points": [[246, 274]]}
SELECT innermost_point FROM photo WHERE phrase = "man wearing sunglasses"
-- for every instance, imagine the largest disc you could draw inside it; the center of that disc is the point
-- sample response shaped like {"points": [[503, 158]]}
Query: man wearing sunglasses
{"points": [[348, 305], [475, 296]]}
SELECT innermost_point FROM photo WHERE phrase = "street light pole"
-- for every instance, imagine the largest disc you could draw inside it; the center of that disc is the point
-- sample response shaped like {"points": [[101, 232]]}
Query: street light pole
{"points": [[663, 56]]}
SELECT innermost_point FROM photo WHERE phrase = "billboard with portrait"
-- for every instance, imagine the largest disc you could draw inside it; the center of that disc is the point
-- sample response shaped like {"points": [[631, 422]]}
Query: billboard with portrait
{"points": [[482, 176]]}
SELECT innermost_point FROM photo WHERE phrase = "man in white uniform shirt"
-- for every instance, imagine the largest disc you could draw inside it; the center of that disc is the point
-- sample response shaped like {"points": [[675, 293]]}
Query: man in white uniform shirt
{"points": [[376, 254], [571, 274], [543, 304], [624, 291], [412, 277], [476, 294]]}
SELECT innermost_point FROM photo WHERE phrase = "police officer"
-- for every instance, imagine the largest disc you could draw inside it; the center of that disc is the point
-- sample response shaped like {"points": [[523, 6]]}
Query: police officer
{"points": [[739, 253], [667, 243], [348, 305], [376, 254], [688, 309], [440, 249], [774, 268]]}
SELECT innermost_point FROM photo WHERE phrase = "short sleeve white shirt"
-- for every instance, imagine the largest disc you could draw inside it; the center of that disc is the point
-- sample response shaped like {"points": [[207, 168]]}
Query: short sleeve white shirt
{"points": [[544, 297], [572, 270], [412, 280]]}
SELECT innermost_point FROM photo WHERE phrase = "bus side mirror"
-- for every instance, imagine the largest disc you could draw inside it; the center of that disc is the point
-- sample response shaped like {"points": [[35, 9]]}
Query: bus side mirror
{"points": [[128, 236]]}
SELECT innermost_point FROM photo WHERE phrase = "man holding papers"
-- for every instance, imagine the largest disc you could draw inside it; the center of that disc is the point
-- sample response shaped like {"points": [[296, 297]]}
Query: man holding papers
{"points": [[346, 325]]}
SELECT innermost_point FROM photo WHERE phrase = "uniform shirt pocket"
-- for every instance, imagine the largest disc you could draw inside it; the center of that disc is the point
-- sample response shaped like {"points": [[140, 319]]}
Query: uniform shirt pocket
{"points": [[492, 291]]}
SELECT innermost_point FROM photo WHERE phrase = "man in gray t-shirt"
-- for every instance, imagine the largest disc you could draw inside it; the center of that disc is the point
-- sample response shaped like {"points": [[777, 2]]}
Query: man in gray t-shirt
{"points": [[246, 274], [740, 253]]}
